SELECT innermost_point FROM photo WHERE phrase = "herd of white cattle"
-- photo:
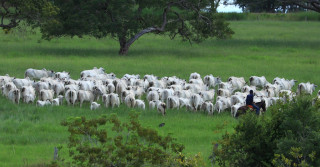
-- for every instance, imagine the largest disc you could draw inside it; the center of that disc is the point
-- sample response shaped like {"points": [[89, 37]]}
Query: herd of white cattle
{"points": [[52, 88]]}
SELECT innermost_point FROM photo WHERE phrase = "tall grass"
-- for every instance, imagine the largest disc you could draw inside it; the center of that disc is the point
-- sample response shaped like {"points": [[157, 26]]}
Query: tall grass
{"points": [[270, 48]]}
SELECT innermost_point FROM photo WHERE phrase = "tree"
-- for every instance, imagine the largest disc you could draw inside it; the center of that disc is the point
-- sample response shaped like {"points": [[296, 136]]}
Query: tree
{"points": [[128, 20], [12, 12], [307, 4]]}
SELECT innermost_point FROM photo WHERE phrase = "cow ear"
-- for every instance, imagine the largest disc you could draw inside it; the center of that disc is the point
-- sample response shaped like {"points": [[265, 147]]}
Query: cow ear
{"points": [[315, 86], [69, 73]]}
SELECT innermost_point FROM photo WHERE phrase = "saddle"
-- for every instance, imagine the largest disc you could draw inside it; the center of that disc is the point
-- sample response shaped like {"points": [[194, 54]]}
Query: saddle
{"points": [[250, 106]]}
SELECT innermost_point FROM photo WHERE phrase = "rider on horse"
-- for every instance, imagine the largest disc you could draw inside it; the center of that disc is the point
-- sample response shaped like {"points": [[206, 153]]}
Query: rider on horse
{"points": [[249, 102]]}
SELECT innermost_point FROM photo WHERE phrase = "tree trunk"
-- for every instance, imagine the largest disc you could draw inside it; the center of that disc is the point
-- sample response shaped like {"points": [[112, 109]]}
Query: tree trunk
{"points": [[124, 48], [125, 45]]}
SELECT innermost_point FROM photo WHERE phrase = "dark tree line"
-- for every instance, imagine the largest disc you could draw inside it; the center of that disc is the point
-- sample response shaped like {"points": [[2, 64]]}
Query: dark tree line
{"points": [[272, 6]]}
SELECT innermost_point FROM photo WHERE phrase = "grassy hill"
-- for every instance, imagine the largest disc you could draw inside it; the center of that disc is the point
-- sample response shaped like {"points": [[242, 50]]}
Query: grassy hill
{"points": [[270, 48]]}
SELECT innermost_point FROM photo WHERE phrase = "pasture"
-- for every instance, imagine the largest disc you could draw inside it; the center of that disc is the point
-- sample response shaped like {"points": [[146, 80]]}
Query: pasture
{"points": [[270, 48]]}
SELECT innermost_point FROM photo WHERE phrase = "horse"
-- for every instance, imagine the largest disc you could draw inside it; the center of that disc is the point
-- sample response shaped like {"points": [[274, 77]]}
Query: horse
{"points": [[242, 110]]}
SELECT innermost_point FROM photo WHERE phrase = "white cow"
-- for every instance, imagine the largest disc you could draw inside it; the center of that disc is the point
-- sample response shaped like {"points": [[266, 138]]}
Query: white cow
{"points": [[162, 108], [71, 87], [130, 101], [235, 107], [194, 76], [111, 100], [5, 79], [306, 88], [246, 89], [225, 85], [196, 101], [183, 93], [85, 96], [86, 85], [258, 81], [71, 96], [14, 95], [222, 103], [211, 81], [184, 102], [46, 95], [38, 74], [140, 104], [41, 86], [92, 73], [165, 94], [224, 92], [153, 95], [207, 95], [284, 83], [8, 87], [58, 88], [57, 101], [43, 103], [28, 94], [237, 99], [153, 104], [111, 88], [94, 106], [98, 91], [22, 82], [62, 75], [173, 102], [208, 107], [237, 83]]}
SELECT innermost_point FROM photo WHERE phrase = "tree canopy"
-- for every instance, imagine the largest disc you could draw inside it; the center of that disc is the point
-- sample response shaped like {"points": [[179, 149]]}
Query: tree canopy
{"points": [[12, 12], [307, 4], [128, 20]]}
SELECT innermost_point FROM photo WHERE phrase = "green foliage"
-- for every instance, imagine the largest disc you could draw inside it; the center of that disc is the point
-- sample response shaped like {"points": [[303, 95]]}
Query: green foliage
{"points": [[90, 144], [126, 20], [295, 159], [290, 137], [34, 12], [248, 146]]}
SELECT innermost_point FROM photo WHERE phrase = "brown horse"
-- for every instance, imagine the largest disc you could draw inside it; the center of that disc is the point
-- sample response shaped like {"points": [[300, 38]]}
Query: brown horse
{"points": [[242, 110]]}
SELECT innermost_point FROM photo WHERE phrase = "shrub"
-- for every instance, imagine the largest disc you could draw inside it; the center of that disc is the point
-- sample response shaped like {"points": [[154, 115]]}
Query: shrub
{"points": [[289, 134], [126, 144]]}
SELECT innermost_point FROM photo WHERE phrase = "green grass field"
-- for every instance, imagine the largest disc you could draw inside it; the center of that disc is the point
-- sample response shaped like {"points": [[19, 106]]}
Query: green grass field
{"points": [[270, 48]]}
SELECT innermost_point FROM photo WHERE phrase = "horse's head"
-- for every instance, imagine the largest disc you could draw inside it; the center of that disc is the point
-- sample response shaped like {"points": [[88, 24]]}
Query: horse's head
{"points": [[263, 105]]}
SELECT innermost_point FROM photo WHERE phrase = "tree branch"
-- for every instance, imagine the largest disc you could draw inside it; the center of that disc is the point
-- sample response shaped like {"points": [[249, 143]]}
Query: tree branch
{"points": [[152, 29]]}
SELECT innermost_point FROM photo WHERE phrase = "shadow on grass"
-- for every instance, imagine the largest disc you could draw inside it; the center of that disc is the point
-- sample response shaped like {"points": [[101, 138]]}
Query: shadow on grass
{"points": [[185, 50], [265, 43]]}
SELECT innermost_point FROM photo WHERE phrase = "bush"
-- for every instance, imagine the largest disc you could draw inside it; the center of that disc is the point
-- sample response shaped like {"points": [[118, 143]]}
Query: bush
{"points": [[126, 144], [290, 134]]}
